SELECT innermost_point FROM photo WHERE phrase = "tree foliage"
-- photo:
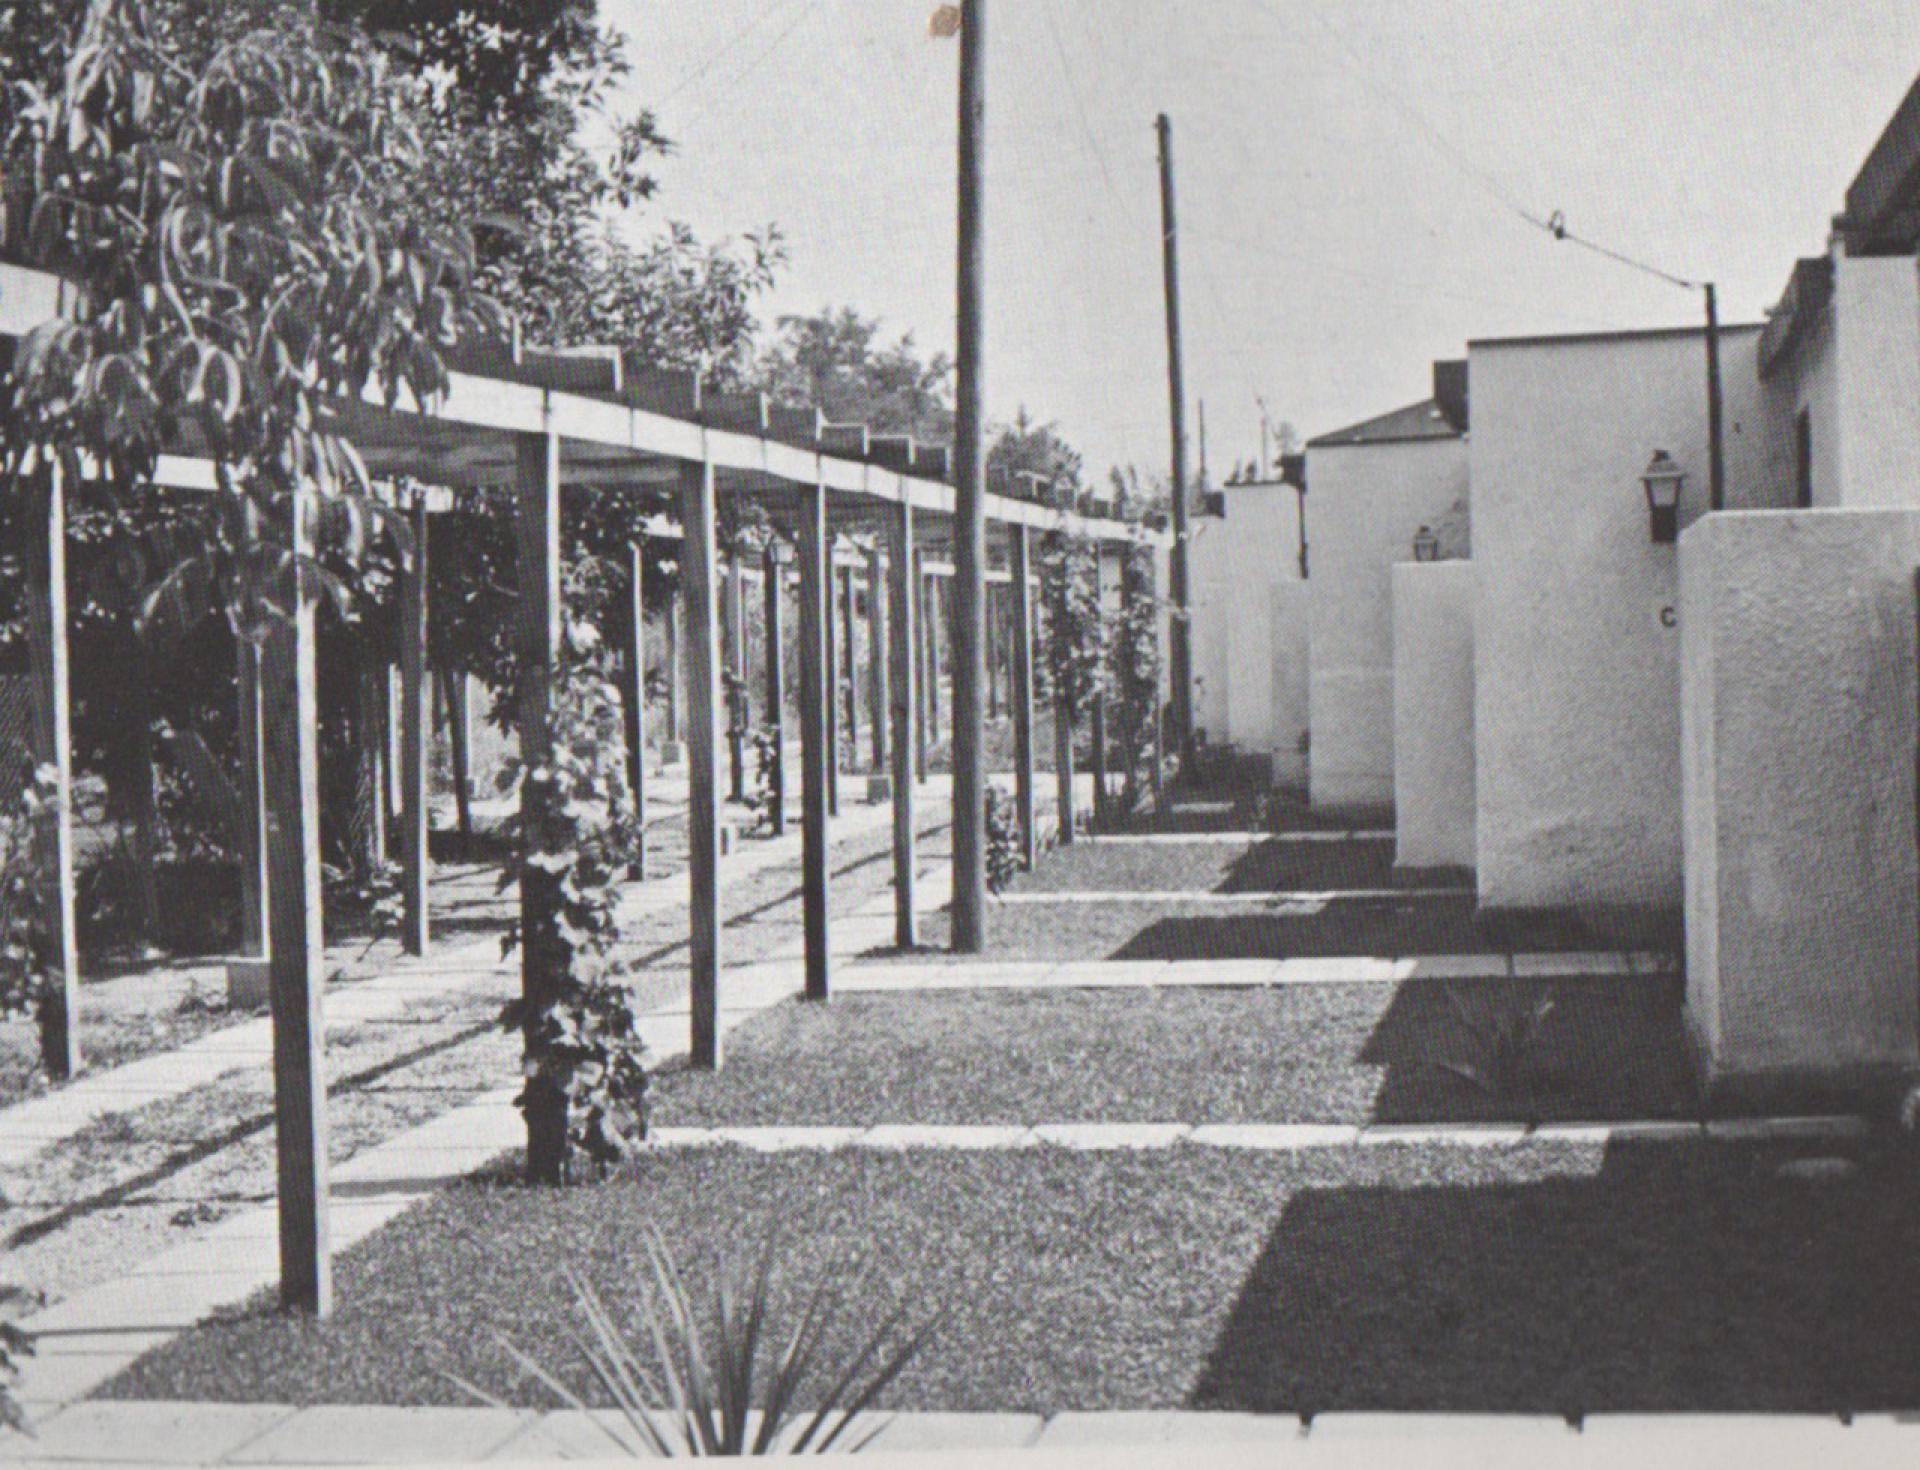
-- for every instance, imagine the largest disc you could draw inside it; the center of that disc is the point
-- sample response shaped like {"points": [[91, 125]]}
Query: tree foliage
{"points": [[247, 256], [836, 360]]}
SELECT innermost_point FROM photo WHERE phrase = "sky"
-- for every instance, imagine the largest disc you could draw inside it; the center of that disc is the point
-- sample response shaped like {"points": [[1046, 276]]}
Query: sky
{"points": [[1351, 179]]}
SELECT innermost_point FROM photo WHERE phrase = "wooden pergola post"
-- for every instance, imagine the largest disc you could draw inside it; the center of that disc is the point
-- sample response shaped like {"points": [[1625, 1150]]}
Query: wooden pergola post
{"points": [[877, 656], [371, 792], [935, 621], [923, 671], [1064, 815], [59, 1004], [633, 699], [990, 634], [850, 666], [831, 675], [296, 942], [816, 729], [542, 953], [457, 692], [1020, 690], [676, 671], [416, 728], [738, 713], [902, 709], [253, 803], [698, 599], [775, 594]]}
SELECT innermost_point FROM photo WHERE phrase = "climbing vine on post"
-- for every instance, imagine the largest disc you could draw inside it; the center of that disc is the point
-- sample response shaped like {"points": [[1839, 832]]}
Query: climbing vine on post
{"points": [[584, 1054]]}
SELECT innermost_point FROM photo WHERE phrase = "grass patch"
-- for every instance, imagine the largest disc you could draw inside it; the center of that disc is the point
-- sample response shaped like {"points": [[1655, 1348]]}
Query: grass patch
{"points": [[1550, 1279], [1611, 1049]]}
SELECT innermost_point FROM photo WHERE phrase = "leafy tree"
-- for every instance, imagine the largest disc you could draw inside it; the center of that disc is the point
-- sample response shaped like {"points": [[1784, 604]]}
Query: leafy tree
{"points": [[836, 360], [1024, 449]]}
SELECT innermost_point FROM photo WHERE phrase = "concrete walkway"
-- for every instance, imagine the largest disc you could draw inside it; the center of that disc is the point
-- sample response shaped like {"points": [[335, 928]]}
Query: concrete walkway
{"points": [[281, 1434]]}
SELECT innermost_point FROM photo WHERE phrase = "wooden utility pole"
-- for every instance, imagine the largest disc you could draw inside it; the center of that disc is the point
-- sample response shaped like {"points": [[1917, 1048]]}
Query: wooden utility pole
{"points": [[1179, 646], [1716, 448], [969, 480]]}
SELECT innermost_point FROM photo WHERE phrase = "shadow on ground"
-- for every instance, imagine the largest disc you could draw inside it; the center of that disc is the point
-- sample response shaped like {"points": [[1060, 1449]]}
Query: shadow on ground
{"points": [[1672, 1279]]}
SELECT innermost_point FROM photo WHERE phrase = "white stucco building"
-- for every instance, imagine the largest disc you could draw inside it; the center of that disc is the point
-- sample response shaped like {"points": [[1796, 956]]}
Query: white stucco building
{"points": [[1576, 627], [1373, 486], [1250, 624]]}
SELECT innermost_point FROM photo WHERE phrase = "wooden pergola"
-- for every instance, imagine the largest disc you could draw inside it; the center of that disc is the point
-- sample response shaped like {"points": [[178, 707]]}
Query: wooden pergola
{"points": [[539, 424]]}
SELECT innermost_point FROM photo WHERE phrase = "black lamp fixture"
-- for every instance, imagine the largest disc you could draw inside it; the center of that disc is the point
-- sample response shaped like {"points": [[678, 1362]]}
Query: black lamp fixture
{"points": [[1426, 545], [1662, 480]]}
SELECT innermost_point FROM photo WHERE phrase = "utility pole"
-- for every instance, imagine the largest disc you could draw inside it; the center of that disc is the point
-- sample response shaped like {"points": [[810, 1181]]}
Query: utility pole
{"points": [[969, 524], [1716, 449], [1179, 646], [1203, 445]]}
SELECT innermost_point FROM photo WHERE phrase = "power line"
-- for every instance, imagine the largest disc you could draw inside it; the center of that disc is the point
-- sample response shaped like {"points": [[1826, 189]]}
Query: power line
{"points": [[713, 57]]}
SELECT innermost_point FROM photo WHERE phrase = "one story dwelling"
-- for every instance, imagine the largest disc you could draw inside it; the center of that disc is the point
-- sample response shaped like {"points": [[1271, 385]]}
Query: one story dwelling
{"points": [[1376, 486]]}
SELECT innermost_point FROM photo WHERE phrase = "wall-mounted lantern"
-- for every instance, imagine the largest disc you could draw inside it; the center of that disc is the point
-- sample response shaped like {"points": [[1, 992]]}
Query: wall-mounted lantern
{"points": [[1426, 545], [1662, 480]]}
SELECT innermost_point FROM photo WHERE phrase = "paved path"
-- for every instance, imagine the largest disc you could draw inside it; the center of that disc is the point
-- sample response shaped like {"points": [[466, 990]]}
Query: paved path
{"points": [[264, 1434]]}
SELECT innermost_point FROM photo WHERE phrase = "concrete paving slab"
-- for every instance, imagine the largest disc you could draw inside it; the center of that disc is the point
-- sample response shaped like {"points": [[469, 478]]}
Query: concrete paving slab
{"points": [[1769, 1129], [1275, 1137], [154, 1433], [1107, 1427], [357, 1434], [570, 1434], [1223, 973], [1210, 1427], [1327, 1428], [937, 1431], [1445, 1135], [1548, 965], [948, 1135], [1112, 1136], [769, 1140]]}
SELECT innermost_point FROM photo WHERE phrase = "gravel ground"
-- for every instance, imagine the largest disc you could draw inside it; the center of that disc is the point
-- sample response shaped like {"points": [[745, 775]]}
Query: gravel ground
{"points": [[1610, 1049], [1200, 930], [1550, 1279], [139, 1182], [1214, 867]]}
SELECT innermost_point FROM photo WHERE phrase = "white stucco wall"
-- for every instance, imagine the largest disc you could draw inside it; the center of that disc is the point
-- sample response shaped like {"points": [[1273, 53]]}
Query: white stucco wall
{"points": [[1433, 714], [1262, 527], [1209, 568], [1803, 889], [1367, 502], [1291, 644], [1576, 643], [1855, 371]]}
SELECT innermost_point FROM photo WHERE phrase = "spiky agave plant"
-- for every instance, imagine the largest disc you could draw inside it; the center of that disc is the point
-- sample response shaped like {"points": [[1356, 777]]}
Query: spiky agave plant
{"points": [[726, 1390]]}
